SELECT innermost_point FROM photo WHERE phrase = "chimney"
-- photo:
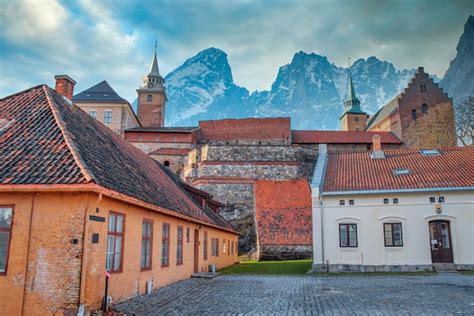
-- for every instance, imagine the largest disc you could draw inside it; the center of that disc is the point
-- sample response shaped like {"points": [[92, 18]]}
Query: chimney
{"points": [[377, 152], [65, 85]]}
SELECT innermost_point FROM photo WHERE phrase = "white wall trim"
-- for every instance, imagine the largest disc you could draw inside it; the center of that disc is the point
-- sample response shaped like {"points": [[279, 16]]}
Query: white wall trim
{"points": [[439, 216], [347, 218], [390, 217]]}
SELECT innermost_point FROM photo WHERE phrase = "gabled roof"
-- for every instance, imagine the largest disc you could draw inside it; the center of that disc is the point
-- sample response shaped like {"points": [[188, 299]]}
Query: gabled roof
{"points": [[52, 141], [342, 137], [356, 173], [384, 112], [101, 92]]}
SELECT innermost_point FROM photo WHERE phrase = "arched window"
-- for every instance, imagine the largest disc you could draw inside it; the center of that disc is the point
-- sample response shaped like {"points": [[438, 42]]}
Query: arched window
{"points": [[424, 108], [166, 163], [149, 98], [413, 115]]}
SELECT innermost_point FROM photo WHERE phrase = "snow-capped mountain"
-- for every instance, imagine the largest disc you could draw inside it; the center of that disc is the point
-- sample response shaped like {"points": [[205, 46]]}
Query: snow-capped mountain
{"points": [[459, 78], [203, 88], [310, 89]]}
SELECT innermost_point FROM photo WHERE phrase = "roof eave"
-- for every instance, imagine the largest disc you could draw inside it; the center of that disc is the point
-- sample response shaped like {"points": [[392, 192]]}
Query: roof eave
{"points": [[383, 191]]}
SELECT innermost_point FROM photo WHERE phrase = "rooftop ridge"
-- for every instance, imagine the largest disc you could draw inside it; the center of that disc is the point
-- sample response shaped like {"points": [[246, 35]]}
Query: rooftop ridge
{"points": [[69, 142]]}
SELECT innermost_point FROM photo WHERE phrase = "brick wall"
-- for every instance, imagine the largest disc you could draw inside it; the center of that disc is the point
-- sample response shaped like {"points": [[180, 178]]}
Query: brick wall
{"points": [[283, 217]]}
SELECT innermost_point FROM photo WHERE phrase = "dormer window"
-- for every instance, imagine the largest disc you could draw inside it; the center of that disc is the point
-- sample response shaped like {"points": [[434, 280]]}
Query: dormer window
{"points": [[430, 152], [149, 98]]}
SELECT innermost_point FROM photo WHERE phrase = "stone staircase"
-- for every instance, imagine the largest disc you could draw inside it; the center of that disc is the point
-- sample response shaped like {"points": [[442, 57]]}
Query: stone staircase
{"points": [[444, 267]]}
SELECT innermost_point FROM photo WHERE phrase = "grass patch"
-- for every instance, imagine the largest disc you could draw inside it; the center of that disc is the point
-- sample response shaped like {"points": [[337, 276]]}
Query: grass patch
{"points": [[291, 267], [471, 273]]}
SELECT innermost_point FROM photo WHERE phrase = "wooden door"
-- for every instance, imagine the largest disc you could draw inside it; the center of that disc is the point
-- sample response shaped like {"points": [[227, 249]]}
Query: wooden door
{"points": [[196, 250], [440, 242]]}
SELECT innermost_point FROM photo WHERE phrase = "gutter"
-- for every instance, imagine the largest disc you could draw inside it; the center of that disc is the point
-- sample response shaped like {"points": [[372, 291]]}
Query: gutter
{"points": [[354, 192]]}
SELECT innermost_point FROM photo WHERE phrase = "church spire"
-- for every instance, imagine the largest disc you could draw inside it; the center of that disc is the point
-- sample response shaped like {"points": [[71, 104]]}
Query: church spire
{"points": [[351, 104], [154, 70]]}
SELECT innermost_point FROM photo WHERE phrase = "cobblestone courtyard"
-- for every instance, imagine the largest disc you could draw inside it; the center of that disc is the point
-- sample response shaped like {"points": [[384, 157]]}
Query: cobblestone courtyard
{"points": [[307, 295]]}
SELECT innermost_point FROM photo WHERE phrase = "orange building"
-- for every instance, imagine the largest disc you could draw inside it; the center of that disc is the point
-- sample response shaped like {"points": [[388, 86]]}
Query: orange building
{"points": [[77, 201]]}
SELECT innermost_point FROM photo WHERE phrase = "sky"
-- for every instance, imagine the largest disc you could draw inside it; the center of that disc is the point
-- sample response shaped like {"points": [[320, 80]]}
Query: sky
{"points": [[113, 40]]}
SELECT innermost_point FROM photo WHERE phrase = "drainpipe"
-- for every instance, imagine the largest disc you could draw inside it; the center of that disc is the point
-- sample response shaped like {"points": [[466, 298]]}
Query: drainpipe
{"points": [[82, 283], [25, 273], [322, 230]]}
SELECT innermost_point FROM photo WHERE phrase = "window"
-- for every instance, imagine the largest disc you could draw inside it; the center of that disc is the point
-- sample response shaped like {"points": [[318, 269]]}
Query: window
{"points": [[441, 199], [356, 119], [228, 247], [147, 244], [236, 247], [187, 234], [166, 163], [224, 247], [351, 202], [232, 247], [357, 129], [6, 219], [401, 171], [395, 200], [107, 117], [430, 152], [413, 115], [342, 202], [432, 199], [149, 98], [385, 201], [165, 245], [115, 237], [215, 247], [424, 108], [393, 234], [93, 114], [348, 235], [179, 247], [205, 246], [422, 88]]}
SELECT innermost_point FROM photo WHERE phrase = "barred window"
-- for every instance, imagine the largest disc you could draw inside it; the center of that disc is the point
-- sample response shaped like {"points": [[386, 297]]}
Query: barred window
{"points": [[205, 246]]}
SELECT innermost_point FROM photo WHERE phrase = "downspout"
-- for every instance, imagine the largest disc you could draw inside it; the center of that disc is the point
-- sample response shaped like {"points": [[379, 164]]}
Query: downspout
{"points": [[82, 283], [27, 254]]}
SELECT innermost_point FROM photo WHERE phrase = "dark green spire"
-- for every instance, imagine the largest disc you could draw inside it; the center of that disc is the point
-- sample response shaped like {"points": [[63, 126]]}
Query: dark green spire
{"points": [[352, 104]]}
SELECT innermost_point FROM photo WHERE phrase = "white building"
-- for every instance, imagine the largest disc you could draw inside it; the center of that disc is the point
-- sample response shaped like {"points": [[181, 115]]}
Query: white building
{"points": [[399, 210]]}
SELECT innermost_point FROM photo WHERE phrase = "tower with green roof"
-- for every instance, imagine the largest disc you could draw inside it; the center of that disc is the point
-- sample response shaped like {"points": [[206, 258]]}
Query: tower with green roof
{"points": [[353, 118]]}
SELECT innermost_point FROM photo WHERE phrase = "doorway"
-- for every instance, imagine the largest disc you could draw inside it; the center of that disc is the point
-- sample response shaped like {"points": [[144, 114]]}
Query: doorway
{"points": [[440, 242], [196, 250]]}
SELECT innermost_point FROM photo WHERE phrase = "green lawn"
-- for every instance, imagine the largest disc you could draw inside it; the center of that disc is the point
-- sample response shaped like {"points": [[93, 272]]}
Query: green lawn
{"points": [[295, 267], [471, 273], [270, 267]]}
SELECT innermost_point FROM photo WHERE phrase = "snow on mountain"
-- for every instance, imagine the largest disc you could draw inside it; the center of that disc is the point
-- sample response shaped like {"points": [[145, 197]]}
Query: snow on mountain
{"points": [[309, 89]]}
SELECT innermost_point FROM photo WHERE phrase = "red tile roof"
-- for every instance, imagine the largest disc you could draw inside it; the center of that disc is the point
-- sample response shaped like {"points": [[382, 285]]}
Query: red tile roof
{"points": [[453, 168], [283, 212], [170, 151], [54, 142], [342, 137]]}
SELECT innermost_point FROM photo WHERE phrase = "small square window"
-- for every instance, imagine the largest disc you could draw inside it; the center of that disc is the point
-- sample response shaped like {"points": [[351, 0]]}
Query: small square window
{"points": [[395, 200], [342, 202], [441, 199], [356, 119], [351, 202], [385, 201], [432, 199]]}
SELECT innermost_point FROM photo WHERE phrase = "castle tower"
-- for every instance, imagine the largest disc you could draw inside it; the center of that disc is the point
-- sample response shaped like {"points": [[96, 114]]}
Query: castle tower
{"points": [[152, 97], [353, 118]]}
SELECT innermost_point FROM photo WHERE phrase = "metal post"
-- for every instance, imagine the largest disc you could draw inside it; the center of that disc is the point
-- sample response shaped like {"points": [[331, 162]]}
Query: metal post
{"points": [[105, 306]]}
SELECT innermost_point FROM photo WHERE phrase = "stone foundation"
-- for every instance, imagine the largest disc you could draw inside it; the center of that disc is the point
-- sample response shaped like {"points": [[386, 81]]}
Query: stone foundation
{"points": [[371, 268], [286, 252]]}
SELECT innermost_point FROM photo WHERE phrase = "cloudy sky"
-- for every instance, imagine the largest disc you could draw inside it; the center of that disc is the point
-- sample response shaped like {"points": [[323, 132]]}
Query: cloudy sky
{"points": [[93, 40]]}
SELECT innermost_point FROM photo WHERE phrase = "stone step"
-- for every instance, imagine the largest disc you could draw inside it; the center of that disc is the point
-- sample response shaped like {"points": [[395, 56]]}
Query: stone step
{"points": [[444, 267], [204, 275]]}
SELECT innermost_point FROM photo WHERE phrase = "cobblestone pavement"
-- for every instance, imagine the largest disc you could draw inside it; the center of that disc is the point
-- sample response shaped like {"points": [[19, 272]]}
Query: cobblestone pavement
{"points": [[308, 295]]}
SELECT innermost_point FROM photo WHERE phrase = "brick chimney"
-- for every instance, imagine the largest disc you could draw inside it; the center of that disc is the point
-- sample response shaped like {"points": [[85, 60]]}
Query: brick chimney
{"points": [[65, 85], [377, 152]]}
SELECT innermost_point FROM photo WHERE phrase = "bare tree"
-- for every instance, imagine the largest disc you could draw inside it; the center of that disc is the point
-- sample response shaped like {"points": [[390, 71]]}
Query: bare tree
{"points": [[432, 130], [464, 114]]}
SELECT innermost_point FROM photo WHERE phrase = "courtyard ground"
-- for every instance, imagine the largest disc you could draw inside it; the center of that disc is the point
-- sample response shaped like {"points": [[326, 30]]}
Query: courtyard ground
{"points": [[438, 294]]}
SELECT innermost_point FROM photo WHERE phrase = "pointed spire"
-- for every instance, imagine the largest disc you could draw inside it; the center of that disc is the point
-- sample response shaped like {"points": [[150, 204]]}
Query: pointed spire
{"points": [[351, 104], [154, 65]]}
